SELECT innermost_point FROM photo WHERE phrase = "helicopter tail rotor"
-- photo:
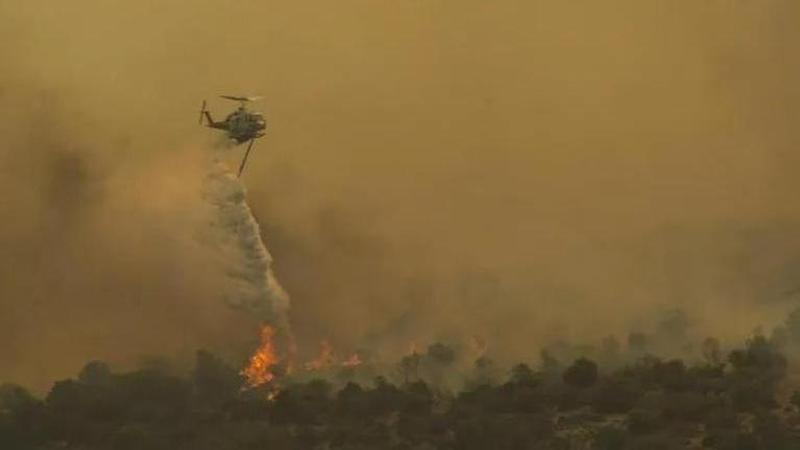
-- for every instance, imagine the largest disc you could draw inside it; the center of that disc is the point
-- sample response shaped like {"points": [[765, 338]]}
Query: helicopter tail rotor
{"points": [[202, 111]]}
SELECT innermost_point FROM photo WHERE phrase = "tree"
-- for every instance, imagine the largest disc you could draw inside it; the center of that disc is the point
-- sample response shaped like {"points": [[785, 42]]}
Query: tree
{"points": [[441, 353], [609, 438], [409, 367], [615, 396], [352, 401], [484, 371], [384, 398], [670, 374], [711, 351], [16, 399], [95, 372], [792, 326], [213, 380], [522, 375], [549, 363], [795, 400], [759, 358], [417, 398], [757, 369], [610, 350], [581, 374], [21, 418], [303, 404], [638, 342]]}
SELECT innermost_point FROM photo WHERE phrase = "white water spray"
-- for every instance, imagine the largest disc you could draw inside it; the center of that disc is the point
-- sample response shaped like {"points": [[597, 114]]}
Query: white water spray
{"points": [[237, 235]]}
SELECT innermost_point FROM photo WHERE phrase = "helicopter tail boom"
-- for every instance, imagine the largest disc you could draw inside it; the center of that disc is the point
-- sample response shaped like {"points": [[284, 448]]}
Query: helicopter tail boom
{"points": [[209, 120]]}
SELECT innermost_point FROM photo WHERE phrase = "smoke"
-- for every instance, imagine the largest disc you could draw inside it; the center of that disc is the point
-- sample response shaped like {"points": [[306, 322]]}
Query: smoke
{"points": [[107, 255], [434, 170]]}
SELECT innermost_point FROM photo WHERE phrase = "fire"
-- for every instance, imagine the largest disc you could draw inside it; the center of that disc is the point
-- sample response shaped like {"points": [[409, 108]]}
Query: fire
{"points": [[353, 361], [325, 358], [259, 370]]}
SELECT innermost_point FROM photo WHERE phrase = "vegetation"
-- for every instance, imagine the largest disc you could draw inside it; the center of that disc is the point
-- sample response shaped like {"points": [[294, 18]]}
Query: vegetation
{"points": [[651, 403], [574, 398]]}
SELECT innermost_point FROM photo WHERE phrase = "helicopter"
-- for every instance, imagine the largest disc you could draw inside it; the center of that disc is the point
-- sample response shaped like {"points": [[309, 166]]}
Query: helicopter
{"points": [[241, 125]]}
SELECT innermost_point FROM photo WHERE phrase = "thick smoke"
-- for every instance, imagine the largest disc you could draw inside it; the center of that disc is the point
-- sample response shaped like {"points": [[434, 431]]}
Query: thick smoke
{"points": [[520, 171]]}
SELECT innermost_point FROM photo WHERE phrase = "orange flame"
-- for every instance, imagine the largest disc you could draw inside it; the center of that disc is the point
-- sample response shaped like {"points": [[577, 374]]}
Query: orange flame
{"points": [[353, 361], [259, 370], [325, 358]]}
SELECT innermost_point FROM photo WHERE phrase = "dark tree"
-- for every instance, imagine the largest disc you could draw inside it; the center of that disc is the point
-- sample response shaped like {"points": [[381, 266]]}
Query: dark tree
{"points": [[417, 398], [214, 381], [712, 352], [549, 363], [21, 418], [353, 401], [610, 438], [441, 353], [484, 371], [759, 358], [610, 349], [795, 400], [384, 398], [792, 326], [521, 374], [581, 374], [409, 367], [95, 372], [670, 374]]}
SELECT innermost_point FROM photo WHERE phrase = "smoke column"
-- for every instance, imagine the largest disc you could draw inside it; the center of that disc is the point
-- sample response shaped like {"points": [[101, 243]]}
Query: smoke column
{"points": [[254, 287]]}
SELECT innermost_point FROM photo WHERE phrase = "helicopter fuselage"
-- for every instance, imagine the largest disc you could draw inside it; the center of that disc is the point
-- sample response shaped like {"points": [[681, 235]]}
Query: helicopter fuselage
{"points": [[243, 125]]}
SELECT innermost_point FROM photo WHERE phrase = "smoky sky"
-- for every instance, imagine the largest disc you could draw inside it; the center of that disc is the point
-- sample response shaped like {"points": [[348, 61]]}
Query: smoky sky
{"points": [[517, 170]]}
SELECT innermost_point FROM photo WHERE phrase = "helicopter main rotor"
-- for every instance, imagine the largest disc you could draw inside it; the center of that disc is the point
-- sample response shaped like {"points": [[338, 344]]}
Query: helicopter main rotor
{"points": [[241, 99]]}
